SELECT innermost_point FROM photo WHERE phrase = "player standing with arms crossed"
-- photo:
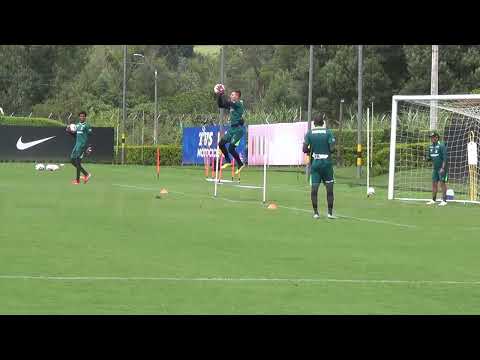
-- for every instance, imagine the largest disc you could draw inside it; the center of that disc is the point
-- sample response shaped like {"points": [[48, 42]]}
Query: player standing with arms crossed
{"points": [[319, 143]]}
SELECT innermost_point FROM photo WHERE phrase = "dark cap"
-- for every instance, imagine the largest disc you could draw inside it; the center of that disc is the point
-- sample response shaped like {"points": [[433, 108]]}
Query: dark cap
{"points": [[434, 133]]}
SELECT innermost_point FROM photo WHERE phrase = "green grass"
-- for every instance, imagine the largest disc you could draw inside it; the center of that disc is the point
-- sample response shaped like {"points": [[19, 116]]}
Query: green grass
{"points": [[207, 50], [115, 227]]}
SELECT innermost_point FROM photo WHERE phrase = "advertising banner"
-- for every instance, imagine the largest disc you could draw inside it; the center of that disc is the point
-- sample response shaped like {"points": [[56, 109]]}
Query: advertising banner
{"points": [[283, 141], [32, 143], [201, 142]]}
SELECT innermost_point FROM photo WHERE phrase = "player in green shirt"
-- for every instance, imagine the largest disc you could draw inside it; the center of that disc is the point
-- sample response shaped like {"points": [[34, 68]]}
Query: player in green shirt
{"points": [[236, 131], [81, 147], [437, 154], [319, 144]]}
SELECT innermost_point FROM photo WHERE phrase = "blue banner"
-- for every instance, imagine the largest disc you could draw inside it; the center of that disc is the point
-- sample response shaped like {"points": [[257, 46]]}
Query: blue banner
{"points": [[201, 142]]}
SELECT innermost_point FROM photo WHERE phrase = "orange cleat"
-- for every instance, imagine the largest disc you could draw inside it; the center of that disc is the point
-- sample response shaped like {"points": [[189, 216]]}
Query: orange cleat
{"points": [[86, 178]]}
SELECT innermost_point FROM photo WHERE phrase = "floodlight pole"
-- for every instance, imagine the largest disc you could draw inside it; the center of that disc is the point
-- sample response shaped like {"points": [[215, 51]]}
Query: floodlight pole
{"points": [[124, 99], [434, 87], [222, 78], [309, 112], [359, 111]]}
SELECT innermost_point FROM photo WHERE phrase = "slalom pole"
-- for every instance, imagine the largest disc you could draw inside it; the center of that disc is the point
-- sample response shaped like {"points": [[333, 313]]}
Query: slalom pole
{"points": [[233, 168], [221, 163], [265, 159], [213, 166], [205, 165], [216, 165], [158, 163]]}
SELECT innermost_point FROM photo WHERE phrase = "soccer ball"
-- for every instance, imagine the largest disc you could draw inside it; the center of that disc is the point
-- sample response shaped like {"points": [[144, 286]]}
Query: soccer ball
{"points": [[52, 167], [39, 167], [72, 128], [219, 89], [370, 191]]}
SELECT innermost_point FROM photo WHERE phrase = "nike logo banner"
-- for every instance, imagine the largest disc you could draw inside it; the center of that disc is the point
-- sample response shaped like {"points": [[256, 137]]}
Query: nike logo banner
{"points": [[32, 143], [23, 146]]}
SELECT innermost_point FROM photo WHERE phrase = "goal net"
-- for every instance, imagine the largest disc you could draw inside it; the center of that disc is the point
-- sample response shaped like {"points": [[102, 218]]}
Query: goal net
{"points": [[456, 118]]}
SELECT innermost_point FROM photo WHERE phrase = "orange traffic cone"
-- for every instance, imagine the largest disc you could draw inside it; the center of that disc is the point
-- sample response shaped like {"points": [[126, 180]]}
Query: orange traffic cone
{"points": [[272, 206]]}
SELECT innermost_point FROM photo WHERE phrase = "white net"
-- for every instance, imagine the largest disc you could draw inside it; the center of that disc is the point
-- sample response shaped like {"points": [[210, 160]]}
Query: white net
{"points": [[458, 124]]}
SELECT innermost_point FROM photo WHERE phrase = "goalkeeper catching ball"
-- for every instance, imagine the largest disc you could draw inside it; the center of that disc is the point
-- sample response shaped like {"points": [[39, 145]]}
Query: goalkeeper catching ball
{"points": [[236, 131]]}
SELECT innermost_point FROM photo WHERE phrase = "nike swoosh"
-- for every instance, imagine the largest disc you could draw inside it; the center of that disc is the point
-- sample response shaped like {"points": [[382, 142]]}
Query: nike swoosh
{"points": [[22, 146]]}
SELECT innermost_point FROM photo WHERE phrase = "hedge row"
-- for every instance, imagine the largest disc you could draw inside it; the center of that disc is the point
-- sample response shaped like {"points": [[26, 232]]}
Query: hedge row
{"points": [[147, 155], [28, 121]]}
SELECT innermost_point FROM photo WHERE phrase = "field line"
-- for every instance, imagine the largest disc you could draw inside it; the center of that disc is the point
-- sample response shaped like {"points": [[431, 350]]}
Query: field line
{"points": [[353, 218], [280, 206], [232, 279]]}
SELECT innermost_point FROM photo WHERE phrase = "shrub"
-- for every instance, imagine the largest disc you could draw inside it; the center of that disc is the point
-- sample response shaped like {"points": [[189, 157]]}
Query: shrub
{"points": [[27, 121], [147, 155]]}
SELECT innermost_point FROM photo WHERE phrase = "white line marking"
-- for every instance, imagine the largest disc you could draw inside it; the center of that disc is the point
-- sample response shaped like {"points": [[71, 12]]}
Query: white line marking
{"points": [[353, 218], [230, 279], [281, 206], [249, 186]]}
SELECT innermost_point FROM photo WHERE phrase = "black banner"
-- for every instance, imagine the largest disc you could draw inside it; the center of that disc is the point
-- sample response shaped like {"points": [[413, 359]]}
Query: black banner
{"points": [[28, 143]]}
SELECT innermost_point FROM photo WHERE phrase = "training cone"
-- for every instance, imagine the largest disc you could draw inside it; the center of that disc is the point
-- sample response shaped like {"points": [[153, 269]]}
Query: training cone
{"points": [[272, 206], [163, 191]]}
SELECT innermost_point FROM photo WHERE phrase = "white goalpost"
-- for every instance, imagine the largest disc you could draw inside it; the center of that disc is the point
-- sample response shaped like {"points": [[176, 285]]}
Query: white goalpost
{"points": [[456, 118]]}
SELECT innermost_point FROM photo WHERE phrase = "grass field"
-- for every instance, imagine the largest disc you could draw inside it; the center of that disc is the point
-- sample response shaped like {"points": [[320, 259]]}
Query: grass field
{"points": [[112, 247]]}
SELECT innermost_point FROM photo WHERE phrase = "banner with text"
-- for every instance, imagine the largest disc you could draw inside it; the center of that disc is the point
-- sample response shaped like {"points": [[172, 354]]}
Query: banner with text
{"points": [[201, 142]]}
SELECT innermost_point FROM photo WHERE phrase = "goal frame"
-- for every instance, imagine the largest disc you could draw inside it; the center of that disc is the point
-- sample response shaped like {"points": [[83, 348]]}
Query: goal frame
{"points": [[393, 136]]}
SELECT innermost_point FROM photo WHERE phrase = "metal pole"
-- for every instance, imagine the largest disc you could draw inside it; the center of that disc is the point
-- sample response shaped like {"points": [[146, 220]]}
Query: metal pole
{"points": [[341, 131], [124, 99], [368, 148], [222, 79], [155, 125], [371, 140], [143, 133], [309, 113], [434, 87], [359, 112]]}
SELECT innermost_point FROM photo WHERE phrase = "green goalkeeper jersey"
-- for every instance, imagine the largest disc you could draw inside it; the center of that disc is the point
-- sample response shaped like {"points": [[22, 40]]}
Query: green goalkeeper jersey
{"points": [[236, 109], [319, 141], [83, 131], [438, 154], [236, 113]]}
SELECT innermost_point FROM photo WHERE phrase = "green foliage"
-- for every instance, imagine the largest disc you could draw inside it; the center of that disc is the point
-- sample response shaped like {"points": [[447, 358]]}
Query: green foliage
{"points": [[62, 79], [26, 121], [147, 155]]}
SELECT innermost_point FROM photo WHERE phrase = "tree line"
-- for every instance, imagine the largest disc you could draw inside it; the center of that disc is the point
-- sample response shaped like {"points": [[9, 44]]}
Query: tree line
{"points": [[66, 78]]}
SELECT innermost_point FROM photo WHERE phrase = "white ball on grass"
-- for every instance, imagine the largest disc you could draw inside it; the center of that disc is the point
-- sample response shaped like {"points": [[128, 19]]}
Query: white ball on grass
{"points": [[370, 191]]}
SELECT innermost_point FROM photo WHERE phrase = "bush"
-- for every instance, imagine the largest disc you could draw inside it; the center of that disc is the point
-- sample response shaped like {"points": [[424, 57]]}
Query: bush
{"points": [[27, 121], [147, 155]]}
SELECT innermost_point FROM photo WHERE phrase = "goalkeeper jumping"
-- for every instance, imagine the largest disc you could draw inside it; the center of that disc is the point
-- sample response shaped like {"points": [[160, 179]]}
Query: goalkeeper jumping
{"points": [[236, 131], [437, 154]]}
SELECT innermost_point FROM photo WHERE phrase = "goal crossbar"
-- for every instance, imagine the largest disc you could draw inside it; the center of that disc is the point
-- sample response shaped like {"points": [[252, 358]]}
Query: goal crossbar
{"points": [[457, 115]]}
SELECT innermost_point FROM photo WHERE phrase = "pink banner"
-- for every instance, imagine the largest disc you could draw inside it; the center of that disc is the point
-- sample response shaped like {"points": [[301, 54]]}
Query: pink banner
{"points": [[282, 141]]}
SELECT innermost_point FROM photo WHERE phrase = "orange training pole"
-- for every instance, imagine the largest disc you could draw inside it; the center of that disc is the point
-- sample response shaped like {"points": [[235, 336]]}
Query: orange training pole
{"points": [[158, 163]]}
